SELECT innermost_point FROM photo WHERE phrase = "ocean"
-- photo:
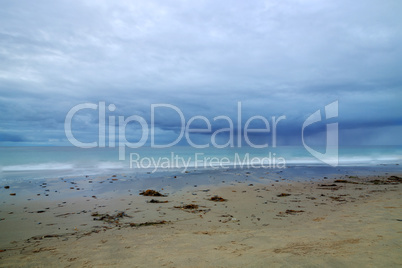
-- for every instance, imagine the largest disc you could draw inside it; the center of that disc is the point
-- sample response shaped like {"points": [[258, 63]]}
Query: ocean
{"points": [[19, 163]]}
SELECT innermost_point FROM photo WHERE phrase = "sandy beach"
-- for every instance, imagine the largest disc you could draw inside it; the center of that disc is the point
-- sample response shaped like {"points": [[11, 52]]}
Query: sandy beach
{"points": [[348, 221]]}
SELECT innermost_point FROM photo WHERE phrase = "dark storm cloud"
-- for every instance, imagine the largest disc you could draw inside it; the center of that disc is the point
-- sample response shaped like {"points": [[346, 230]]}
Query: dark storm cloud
{"points": [[11, 137], [276, 57]]}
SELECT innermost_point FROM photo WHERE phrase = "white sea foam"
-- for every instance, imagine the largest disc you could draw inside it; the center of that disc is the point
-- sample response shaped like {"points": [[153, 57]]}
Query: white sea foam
{"points": [[111, 165], [37, 167], [53, 162]]}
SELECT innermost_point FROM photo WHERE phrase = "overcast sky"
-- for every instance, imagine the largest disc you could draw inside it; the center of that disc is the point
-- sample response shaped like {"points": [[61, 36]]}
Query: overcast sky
{"points": [[275, 57]]}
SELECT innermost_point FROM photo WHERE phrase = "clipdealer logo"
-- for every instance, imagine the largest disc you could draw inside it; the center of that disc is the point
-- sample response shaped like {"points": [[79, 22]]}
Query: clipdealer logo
{"points": [[187, 128]]}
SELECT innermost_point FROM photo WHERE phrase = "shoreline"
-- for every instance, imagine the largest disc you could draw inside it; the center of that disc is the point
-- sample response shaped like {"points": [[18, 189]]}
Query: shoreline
{"points": [[264, 218]]}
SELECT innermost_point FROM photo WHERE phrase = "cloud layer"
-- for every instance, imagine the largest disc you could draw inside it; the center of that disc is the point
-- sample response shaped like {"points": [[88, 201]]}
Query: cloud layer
{"points": [[276, 57]]}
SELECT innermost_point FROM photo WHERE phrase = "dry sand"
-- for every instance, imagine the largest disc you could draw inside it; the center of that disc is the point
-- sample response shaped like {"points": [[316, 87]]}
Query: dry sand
{"points": [[321, 223]]}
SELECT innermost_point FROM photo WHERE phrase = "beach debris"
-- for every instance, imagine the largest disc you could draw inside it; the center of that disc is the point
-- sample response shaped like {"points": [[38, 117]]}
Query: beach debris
{"points": [[40, 237], [151, 193], [51, 235], [293, 212], [345, 181], [342, 181], [229, 220], [190, 206], [6, 187], [65, 214], [390, 180], [193, 208], [82, 211], [395, 178], [156, 201], [109, 218], [283, 194], [216, 198], [289, 212], [332, 187], [337, 198], [148, 223], [13, 194], [40, 211], [380, 182], [44, 249], [377, 182]]}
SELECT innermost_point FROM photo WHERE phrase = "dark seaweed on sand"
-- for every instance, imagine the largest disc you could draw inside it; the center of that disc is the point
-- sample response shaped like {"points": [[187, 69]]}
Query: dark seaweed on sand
{"points": [[148, 223], [109, 218], [156, 201], [151, 193], [190, 206], [217, 199], [283, 195]]}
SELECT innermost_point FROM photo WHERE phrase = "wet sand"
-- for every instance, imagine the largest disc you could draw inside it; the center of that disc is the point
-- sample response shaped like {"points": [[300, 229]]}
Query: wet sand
{"points": [[343, 221]]}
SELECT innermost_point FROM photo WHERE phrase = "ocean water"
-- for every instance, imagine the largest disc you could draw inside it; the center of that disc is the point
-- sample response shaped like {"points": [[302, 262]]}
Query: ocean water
{"points": [[44, 162]]}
